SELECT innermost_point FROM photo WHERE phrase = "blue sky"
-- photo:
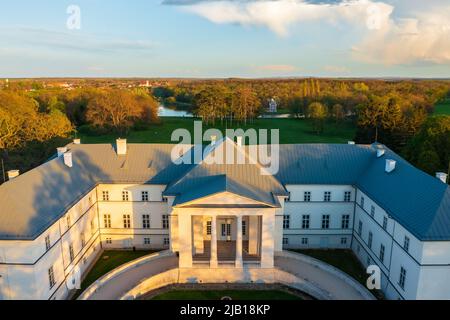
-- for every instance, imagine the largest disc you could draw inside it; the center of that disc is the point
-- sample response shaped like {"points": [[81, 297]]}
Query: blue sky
{"points": [[227, 38]]}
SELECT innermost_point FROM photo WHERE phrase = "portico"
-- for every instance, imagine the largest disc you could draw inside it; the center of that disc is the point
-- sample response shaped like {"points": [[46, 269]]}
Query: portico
{"points": [[224, 237]]}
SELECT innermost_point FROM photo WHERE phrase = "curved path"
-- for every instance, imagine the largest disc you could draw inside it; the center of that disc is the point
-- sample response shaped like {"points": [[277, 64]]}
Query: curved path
{"points": [[310, 275], [327, 281], [137, 271]]}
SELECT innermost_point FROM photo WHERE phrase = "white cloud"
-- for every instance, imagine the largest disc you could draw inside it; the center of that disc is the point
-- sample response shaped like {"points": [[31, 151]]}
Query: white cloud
{"points": [[420, 37], [277, 68], [411, 32], [280, 15], [336, 69]]}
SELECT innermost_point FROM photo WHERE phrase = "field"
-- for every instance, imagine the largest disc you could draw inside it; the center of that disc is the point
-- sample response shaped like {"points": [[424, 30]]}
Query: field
{"points": [[291, 131], [442, 108]]}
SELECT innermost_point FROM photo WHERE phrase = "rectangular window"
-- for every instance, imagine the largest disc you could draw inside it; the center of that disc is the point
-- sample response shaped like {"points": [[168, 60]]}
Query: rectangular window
{"points": [[385, 222], [402, 278], [208, 228], [369, 241], [105, 195], [51, 277], [304, 241], [223, 230], [343, 241], [372, 211], [244, 228], [285, 241], [126, 221], [305, 221], [47, 243], [406, 244], [108, 241], [107, 220], [362, 202], [286, 221], [83, 240], [327, 196], [71, 253], [125, 196], [347, 196], [307, 196], [325, 221], [145, 196], [360, 225], [165, 221], [146, 221], [146, 241], [382, 249], [166, 241], [345, 221]]}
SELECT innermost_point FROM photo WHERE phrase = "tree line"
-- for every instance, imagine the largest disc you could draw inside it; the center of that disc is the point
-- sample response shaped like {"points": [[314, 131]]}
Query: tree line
{"points": [[33, 123]]}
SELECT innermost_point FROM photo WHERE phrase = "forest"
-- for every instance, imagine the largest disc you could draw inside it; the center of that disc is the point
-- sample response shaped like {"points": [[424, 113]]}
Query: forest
{"points": [[36, 118]]}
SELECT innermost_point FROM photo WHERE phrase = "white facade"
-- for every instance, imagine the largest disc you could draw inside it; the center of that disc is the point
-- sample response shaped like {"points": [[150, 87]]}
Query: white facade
{"points": [[127, 216]]}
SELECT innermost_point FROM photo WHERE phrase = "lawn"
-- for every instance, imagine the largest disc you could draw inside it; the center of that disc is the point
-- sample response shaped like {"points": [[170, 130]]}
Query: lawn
{"points": [[344, 260], [115, 259], [442, 108], [233, 294], [291, 131]]}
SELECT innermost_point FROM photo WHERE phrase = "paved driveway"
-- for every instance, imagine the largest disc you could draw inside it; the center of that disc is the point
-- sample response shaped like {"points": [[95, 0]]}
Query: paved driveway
{"points": [[335, 287], [129, 279]]}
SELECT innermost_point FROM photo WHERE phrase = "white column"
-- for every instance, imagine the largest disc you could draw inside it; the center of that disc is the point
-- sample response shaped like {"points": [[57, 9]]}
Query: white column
{"points": [[239, 263], [185, 240], [267, 245], [253, 231], [213, 262], [198, 234]]}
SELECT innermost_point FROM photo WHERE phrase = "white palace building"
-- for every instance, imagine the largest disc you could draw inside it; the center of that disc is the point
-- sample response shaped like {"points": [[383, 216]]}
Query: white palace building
{"points": [[90, 197]]}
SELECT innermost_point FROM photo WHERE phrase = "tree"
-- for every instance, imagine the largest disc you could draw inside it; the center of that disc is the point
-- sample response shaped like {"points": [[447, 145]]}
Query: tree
{"points": [[119, 109], [429, 149], [245, 104], [338, 112], [317, 112]]}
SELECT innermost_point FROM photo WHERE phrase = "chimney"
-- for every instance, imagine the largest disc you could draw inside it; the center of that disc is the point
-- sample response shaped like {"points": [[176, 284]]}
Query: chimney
{"points": [[442, 176], [121, 147], [13, 174], [351, 142], [68, 159], [213, 140], [239, 141], [61, 151], [380, 152], [390, 165], [76, 141]]}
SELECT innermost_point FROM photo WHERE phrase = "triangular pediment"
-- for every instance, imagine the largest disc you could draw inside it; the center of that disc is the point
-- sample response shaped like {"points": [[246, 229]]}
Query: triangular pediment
{"points": [[224, 199]]}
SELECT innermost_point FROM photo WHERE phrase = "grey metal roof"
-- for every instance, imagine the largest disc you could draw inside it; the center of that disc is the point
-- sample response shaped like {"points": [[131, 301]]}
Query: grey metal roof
{"points": [[32, 202]]}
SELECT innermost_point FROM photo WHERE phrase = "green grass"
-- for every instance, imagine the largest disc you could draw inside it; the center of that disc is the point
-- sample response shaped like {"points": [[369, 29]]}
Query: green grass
{"points": [[115, 259], [344, 260], [233, 294], [442, 108], [291, 131]]}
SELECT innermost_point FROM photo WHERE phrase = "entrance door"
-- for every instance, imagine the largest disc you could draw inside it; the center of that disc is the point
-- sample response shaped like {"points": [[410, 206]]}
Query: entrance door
{"points": [[225, 231]]}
